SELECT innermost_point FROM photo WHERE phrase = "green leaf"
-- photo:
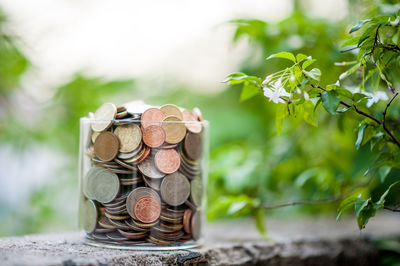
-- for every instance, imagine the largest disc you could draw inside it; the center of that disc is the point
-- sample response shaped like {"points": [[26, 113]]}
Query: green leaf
{"points": [[260, 222], [364, 216], [330, 101], [308, 113], [360, 136], [360, 204], [381, 201], [383, 172], [346, 204], [358, 25], [285, 55], [249, 90], [314, 92], [308, 63], [237, 76], [314, 73], [301, 57], [350, 42], [281, 113], [345, 93], [357, 97]]}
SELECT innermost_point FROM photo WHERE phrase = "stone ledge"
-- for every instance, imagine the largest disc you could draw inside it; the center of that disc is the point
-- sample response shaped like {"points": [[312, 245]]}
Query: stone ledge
{"points": [[302, 242]]}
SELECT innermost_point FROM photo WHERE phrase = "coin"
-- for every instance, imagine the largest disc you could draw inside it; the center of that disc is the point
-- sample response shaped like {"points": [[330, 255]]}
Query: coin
{"points": [[136, 157], [119, 225], [186, 221], [198, 114], [116, 216], [152, 116], [153, 183], [154, 136], [135, 227], [136, 195], [167, 161], [116, 236], [105, 222], [192, 124], [147, 209], [89, 216], [196, 225], [144, 156], [129, 155], [94, 136], [121, 109], [196, 191], [175, 189], [171, 109], [102, 186], [90, 175], [132, 235], [130, 137], [148, 169], [103, 117], [106, 146], [193, 146], [174, 129]]}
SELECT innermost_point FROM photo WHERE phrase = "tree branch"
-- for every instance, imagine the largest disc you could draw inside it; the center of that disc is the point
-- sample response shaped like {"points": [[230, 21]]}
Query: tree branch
{"points": [[301, 202], [391, 209], [395, 140], [383, 122]]}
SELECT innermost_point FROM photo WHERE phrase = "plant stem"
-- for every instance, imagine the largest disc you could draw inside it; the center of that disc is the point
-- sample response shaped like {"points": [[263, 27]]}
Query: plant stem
{"points": [[383, 122], [395, 140]]}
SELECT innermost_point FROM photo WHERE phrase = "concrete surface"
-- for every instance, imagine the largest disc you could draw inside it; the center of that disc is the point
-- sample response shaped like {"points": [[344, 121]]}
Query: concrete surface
{"points": [[320, 241]]}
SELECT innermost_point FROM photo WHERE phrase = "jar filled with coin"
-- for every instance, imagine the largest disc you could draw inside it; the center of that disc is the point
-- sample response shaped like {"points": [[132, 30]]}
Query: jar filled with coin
{"points": [[142, 176]]}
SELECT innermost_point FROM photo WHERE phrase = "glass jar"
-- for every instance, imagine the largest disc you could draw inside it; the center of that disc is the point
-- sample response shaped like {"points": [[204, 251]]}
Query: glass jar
{"points": [[142, 182]]}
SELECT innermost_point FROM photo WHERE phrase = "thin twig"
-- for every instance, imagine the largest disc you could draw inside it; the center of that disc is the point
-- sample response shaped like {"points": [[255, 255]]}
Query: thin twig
{"points": [[316, 202], [301, 202], [395, 140], [391, 209]]}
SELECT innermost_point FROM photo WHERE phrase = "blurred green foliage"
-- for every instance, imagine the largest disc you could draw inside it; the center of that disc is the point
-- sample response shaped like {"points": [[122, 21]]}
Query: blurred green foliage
{"points": [[250, 163], [293, 86]]}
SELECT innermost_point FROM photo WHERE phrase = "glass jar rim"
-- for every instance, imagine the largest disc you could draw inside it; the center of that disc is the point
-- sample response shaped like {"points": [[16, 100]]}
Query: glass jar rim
{"points": [[88, 119]]}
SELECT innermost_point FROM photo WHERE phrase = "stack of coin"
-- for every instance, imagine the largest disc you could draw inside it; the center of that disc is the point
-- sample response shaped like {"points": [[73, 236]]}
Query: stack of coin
{"points": [[144, 185]]}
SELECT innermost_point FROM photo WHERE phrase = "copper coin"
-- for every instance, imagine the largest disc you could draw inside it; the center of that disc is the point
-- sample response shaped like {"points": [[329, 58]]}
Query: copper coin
{"points": [[175, 189], [174, 128], [148, 169], [135, 195], [106, 146], [186, 221], [153, 136], [152, 116], [167, 161], [121, 109], [198, 114], [191, 122], [193, 146], [144, 156], [147, 209]]}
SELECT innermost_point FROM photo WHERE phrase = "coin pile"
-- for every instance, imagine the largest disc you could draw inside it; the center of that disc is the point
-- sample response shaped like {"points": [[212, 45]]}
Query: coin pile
{"points": [[144, 184]]}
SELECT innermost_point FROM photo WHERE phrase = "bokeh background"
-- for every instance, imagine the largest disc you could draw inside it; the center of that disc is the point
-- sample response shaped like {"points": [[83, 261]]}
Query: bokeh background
{"points": [[60, 59]]}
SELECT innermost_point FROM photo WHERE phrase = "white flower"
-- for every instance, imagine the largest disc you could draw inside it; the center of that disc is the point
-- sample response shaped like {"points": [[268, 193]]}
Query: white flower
{"points": [[376, 97], [275, 91]]}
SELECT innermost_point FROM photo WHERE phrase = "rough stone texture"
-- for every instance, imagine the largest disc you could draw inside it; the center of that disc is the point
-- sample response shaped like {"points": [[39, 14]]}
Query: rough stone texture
{"points": [[297, 242]]}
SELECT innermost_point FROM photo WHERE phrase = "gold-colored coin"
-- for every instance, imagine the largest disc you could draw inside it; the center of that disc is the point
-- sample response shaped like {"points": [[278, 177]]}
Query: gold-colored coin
{"points": [[174, 129], [103, 117], [130, 137], [94, 136], [171, 109]]}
